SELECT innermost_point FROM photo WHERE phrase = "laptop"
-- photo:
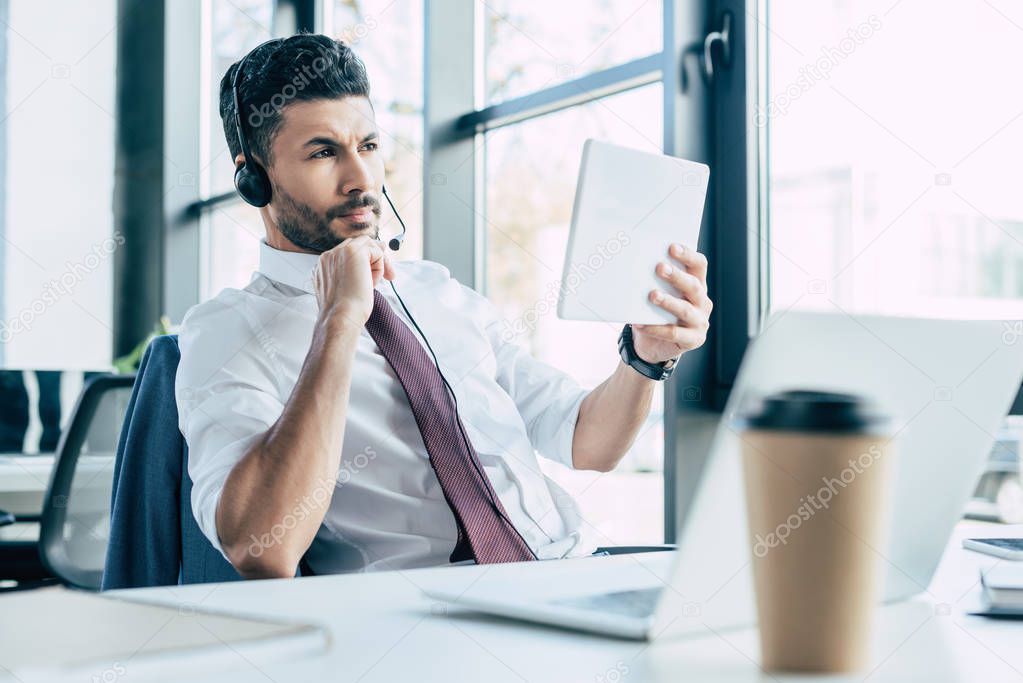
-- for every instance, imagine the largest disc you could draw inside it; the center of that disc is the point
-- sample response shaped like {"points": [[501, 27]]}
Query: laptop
{"points": [[948, 383]]}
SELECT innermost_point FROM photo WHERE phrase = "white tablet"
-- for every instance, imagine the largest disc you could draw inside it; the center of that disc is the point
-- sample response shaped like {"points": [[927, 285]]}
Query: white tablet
{"points": [[629, 206]]}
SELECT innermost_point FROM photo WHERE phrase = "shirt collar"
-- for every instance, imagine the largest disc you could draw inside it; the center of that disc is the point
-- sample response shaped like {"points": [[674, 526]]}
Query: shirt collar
{"points": [[288, 267]]}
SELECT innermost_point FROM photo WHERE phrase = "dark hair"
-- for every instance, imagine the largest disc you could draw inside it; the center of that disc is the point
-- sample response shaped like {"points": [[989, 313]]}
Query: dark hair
{"points": [[303, 67]]}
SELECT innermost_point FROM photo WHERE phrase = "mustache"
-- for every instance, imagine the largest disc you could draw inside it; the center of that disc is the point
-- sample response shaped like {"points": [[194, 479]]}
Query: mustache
{"points": [[354, 204]]}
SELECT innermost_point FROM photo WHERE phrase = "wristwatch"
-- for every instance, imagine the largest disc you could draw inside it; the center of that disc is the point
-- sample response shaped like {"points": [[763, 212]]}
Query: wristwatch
{"points": [[656, 371]]}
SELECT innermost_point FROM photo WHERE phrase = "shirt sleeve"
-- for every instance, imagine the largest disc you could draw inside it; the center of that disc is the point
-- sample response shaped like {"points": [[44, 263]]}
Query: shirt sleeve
{"points": [[548, 399], [227, 394]]}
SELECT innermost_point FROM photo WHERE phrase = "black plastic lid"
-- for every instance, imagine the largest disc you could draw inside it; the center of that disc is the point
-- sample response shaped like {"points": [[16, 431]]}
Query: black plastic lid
{"points": [[802, 410]]}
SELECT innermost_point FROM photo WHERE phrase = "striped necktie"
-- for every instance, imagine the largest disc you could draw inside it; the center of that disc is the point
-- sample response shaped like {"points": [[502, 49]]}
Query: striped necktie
{"points": [[484, 531]]}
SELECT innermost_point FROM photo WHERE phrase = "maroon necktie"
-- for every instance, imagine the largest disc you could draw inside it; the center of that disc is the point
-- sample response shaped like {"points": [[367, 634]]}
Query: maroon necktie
{"points": [[484, 532]]}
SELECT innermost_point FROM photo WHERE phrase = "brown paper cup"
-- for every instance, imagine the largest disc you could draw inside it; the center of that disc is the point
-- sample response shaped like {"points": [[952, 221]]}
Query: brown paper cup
{"points": [[817, 510]]}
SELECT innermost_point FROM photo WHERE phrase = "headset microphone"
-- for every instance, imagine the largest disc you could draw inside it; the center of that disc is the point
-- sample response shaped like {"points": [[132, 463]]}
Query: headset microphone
{"points": [[395, 242]]}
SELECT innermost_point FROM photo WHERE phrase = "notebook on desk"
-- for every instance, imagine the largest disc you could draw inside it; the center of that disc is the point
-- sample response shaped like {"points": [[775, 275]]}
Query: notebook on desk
{"points": [[58, 634], [1003, 592]]}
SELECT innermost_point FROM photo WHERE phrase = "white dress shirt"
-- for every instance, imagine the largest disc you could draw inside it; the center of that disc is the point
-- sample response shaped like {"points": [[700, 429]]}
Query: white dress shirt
{"points": [[241, 353]]}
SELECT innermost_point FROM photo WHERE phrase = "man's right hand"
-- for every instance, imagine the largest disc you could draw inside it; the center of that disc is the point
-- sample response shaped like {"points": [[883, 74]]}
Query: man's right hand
{"points": [[346, 275], [302, 449]]}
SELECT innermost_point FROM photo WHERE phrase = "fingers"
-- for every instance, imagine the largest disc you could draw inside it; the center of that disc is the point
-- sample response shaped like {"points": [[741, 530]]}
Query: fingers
{"points": [[388, 265], [694, 262], [686, 272], [360, 247], [379, 262], [360, 242], [689, 286], [687, 314]]}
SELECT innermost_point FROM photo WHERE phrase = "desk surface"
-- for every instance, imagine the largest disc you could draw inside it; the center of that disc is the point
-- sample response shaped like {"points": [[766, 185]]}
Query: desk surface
{"points": [[25, 472], [384, 629]]}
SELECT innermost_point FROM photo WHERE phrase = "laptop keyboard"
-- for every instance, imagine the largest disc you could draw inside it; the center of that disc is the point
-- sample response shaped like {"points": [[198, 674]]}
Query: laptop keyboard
{"points": [[632, 603]]}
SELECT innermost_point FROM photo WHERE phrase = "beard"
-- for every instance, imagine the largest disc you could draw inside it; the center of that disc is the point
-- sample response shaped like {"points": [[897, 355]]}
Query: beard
{"points": [[308, 230]]}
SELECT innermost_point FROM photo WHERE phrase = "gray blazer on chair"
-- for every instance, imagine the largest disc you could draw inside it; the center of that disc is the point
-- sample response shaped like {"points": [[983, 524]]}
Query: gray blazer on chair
{"points": [[154, 539]]}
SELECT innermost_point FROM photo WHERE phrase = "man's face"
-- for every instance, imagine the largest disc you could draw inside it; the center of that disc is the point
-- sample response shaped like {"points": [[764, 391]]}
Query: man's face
{"points": [[326, 173]]}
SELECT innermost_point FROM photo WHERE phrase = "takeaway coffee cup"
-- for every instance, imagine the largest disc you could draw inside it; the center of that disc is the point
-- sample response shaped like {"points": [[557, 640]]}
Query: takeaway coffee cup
{"points": [[817, 473]]}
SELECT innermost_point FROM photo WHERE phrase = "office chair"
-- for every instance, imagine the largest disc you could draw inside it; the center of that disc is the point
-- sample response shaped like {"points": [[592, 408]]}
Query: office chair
{"points": [[74, 524], [27, 397]]}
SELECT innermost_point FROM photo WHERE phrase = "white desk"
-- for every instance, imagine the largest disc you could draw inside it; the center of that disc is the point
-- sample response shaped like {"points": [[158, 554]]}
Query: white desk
{"points": [[384, 630], [23, 481]]}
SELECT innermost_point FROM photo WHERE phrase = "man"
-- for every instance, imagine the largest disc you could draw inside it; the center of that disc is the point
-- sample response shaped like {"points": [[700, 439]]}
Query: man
{"points": [[320, 431]]}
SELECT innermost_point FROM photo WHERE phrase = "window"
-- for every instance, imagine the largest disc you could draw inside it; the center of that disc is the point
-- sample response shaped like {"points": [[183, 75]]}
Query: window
{"points": [[236, 26], [890, 190], [531, 170], [230, 229], [388, 36], [57, 239], [233, 232], [531, 46]]}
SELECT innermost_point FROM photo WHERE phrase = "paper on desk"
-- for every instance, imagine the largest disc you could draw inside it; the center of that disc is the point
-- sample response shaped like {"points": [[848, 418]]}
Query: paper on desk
{"points": [[55, 634]]}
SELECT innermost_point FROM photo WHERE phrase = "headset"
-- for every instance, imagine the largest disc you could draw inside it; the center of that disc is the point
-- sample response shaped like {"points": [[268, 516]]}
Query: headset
{"points": [[250, 179], [253, 185]]}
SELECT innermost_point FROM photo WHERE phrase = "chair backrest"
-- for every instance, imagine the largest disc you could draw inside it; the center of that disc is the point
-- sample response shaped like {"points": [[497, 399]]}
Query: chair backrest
{"points": [[75, 522], [154, 539]]}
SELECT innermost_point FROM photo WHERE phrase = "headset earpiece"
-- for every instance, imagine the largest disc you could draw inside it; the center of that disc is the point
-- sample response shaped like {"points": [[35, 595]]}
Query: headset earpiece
{"points": [[253, 184]]}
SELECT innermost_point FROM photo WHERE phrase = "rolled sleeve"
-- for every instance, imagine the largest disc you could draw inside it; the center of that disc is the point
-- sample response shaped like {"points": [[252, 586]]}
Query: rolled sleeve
{"points": [[548, 399], [227, 393]]}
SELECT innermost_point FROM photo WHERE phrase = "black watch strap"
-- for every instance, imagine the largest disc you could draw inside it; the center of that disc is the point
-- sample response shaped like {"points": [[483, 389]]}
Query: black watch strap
{"points": [[655, 371]]}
